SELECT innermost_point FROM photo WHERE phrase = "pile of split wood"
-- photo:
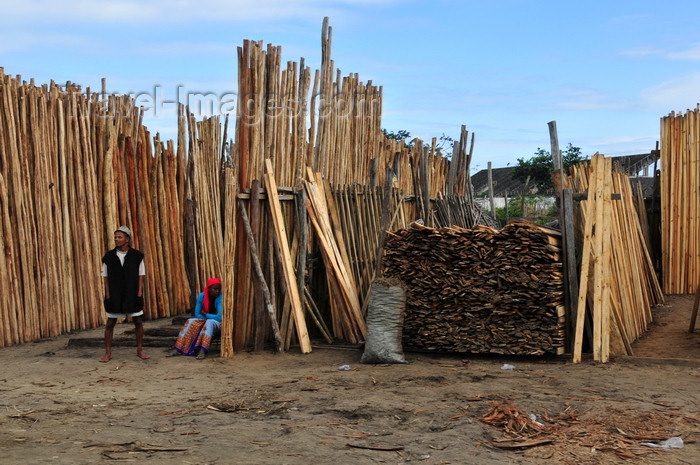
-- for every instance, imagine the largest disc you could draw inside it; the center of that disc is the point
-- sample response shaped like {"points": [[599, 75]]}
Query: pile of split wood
{"points": [[480, 290]]}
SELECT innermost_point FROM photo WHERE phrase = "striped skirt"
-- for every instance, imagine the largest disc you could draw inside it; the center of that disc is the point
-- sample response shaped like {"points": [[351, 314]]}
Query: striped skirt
{"points": [[195, 336]]}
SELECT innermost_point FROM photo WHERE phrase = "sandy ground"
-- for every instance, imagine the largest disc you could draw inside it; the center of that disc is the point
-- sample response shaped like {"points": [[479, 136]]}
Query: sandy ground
{"points": [[60, 405]]}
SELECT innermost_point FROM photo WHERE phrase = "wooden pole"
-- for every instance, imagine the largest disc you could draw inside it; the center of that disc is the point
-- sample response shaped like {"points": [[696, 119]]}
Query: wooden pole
{"points": [[571, 275], [606, 271], [588, 210], [384, 223], [259, 277], [302, 234], [491, 201], [287, 264], [425, 185], [229, 306], [566, 227], [259, 307]]}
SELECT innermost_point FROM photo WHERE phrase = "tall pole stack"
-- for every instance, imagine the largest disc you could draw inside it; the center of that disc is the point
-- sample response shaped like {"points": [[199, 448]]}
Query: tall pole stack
{"points": [[680, 206]]}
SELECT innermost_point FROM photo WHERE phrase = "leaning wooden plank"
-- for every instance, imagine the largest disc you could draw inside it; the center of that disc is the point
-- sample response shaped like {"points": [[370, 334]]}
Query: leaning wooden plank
{"points": [[607, 276], [259, 277], [585, 264], [634, 272], [287, 264], [332, 257], [340, 264], [599, 175], [335, 224], [302, 235], [339, 301], [316, 315], [258, 297], [623, 294], [570, 264]]}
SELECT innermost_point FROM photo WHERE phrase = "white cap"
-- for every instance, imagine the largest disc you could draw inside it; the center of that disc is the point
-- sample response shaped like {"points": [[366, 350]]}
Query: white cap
{"points": [[125, 230]]}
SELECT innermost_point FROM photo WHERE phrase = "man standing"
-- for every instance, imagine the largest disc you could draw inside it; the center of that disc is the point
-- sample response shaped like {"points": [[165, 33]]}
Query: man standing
{"points": [[123, 270]]}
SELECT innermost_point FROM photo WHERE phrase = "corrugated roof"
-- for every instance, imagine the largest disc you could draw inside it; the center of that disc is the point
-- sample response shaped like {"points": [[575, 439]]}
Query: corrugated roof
{"points": [[647, 184], [505, 183]]}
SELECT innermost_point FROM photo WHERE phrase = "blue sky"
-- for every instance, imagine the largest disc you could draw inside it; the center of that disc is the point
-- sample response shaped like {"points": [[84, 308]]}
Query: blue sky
{"points": [[605, 71]]}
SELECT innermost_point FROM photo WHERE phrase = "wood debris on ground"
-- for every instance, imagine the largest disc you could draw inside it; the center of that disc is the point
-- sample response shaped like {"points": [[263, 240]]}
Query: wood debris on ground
{"points": [[615, 430]]}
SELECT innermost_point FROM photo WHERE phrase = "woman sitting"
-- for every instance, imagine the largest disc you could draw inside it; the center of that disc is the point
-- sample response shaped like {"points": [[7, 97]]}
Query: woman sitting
{"points": [[196, 335]]}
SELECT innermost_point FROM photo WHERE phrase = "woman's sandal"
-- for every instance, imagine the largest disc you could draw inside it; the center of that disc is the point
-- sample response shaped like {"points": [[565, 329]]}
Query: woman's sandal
{"points": [[201, 356], [172, 354]]}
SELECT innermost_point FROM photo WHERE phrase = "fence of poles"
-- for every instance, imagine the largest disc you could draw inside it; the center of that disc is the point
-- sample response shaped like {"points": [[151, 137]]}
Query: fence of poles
{"points": [[76, 164], [680, 208], [73, 167]]}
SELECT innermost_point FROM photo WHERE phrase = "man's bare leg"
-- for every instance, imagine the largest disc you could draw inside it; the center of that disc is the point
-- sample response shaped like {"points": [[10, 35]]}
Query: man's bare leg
{"points": [[138, 326], [109, 333]]}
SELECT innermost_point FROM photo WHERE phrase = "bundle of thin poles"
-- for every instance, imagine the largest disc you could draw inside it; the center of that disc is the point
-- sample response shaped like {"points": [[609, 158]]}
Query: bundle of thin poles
{"points": [[680, 207], [73, 167], [617, 279]]}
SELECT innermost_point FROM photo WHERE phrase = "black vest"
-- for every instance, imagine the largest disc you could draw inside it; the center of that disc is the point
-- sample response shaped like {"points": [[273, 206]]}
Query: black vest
{"points": [[123, 281]]}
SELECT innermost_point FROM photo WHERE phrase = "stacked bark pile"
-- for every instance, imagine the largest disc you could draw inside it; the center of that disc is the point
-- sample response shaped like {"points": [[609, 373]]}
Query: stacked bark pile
{"points": [[480, 290]]}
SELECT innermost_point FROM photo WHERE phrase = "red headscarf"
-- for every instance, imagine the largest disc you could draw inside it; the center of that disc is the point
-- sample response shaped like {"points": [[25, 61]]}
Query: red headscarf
{"points": [[211, 282]]}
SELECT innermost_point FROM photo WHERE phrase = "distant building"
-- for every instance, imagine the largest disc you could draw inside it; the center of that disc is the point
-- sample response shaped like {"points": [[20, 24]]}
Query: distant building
{"points": [[638, 167]]}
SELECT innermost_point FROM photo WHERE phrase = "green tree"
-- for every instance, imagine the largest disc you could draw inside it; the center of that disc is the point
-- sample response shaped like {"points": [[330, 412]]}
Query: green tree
{"points": [[443, 144], [401, 135], [539, 168]]}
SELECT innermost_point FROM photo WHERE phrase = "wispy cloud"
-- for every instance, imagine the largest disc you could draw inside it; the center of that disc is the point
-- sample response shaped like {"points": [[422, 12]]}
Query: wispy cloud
{"points": [[616, 146], [642, 52], [184, 49], [588, 99], [675, 94], [630, 21], [692, 53], [132, 11], [27, 40]]}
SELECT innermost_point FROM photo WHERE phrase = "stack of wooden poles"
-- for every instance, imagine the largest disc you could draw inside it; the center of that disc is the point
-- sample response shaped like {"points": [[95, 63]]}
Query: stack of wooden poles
{"points": [[617, 278], [359, 212], [73, 167], [142, 181], [271, 125], [205, 186], [336, 133], [348, 320], [680, 206]]}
